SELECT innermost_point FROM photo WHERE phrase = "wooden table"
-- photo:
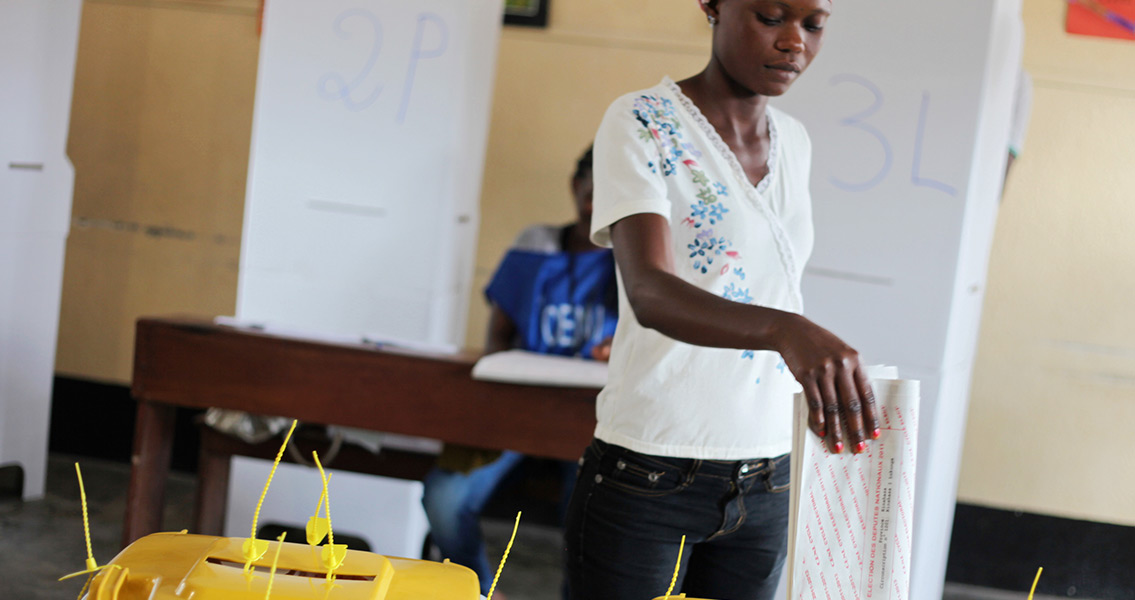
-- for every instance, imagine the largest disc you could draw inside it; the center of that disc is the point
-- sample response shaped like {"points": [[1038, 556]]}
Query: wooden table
{"points": [[194, 363]]}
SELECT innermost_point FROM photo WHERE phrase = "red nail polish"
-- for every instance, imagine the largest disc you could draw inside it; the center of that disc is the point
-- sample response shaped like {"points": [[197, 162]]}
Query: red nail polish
{"points": [[877, 433], [860, 447], [823, 432], [838, 447]]}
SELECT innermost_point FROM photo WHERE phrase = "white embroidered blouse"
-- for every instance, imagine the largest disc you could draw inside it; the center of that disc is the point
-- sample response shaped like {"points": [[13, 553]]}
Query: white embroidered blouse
{"points": [[656, 153]]}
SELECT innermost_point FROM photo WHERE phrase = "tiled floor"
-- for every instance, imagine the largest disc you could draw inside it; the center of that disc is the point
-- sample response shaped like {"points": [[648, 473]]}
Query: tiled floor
{"points": [[43, 539]]}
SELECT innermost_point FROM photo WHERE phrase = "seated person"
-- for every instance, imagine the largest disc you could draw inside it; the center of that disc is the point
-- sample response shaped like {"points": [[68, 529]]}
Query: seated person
{"points": [[553, 293]]}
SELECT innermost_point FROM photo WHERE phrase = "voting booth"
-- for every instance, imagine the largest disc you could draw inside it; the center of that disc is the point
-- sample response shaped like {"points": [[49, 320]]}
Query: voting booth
{"points": [[908, 107], [38, 44], [361, 214], [368, 146]]}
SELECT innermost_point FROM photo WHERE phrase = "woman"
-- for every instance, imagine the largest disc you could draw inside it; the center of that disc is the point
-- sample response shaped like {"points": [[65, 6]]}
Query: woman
{"points": [[701, 189]]}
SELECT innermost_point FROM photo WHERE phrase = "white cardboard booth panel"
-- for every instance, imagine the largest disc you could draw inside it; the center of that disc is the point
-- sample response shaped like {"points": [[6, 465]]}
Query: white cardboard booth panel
{"points": [[386, 513], [31, 281], [368, 146], [38, 44], [908, 107]]}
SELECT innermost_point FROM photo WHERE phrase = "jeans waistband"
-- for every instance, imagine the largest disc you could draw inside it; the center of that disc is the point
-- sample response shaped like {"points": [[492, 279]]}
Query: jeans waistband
{"points": [[716, 468]]}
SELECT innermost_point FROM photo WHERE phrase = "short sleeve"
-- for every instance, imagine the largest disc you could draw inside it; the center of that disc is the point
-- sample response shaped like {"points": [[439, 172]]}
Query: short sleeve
{"points": [[538, 238], [627, 173], [511, 285]]}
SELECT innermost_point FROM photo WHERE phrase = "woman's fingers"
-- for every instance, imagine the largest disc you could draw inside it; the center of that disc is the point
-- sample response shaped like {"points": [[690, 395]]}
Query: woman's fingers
{"points": [[815, 403], [870, 415], [852, 410], [832, 417]]}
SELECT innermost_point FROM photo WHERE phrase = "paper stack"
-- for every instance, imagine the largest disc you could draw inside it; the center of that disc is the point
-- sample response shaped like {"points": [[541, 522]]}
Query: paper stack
{"points": [[529, 368], [852, 514]]}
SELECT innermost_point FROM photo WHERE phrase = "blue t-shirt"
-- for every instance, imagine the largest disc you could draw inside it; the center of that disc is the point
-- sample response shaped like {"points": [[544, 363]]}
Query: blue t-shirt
{"points": [[561, 302]]}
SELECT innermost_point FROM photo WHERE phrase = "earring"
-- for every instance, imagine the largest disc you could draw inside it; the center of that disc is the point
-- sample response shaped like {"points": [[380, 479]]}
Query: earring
{"points": [[712, 20]]}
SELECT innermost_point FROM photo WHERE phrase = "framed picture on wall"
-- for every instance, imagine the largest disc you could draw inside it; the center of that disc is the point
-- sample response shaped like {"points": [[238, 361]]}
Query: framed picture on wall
{"points": [[531, 13]]}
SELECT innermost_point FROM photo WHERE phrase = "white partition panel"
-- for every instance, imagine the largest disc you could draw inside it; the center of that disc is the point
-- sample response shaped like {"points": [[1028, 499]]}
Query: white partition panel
{"points": [[369, 136], [908, 109], [384, 512], [38, 44]]}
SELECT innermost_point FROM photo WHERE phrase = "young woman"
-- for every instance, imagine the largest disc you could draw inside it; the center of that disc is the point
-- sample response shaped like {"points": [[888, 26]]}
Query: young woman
{"points": [[701, 188]]}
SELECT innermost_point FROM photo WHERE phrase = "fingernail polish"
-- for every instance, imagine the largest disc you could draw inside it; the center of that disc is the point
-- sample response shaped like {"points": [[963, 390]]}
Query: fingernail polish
{"points": [[823, 432], [838, 447], [877, 433], [860, 447]]}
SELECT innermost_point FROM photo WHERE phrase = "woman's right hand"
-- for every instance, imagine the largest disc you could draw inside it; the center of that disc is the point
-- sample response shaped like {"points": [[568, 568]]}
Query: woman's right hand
{"points": [[841, 403]]}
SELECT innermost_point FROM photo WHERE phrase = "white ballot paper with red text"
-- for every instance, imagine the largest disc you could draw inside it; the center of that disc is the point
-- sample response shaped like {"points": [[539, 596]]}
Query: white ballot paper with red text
{"points": [[852, 514]]}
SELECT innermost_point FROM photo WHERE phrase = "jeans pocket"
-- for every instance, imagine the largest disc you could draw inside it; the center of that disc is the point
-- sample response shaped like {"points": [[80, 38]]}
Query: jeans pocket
{"points": [[640, 474]]}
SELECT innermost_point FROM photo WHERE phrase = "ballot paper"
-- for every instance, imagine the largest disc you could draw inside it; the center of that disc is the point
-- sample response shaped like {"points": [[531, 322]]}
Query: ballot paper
{"points": [[520, 366], [852, 514]]}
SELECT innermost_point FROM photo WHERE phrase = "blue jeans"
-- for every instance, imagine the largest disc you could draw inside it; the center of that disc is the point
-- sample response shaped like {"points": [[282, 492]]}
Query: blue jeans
{"points": [[629, 512], [454, 502]]}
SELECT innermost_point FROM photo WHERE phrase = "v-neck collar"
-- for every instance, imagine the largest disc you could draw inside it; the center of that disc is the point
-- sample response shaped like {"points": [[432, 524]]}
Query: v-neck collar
{"points": [[756, 194], [723, 148]]}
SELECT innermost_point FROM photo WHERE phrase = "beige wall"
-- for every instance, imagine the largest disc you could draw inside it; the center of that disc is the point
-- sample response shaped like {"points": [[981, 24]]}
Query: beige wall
{"points": [[552, 89], [160, 130], [1054, 383]]}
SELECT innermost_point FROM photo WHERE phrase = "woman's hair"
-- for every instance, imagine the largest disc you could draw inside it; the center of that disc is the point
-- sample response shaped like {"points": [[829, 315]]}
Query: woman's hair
{"points": [[583, 165]]}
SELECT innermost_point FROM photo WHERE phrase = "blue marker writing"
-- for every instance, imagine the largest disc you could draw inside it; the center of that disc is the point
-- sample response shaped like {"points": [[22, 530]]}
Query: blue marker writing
{"points": [[417, 53]]}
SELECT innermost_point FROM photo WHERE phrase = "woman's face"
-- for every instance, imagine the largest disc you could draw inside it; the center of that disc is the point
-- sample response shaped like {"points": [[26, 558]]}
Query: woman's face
{"points": [[764, 45]]}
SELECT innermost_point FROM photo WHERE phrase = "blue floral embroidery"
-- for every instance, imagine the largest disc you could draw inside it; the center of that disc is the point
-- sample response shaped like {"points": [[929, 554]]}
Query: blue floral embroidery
{"points": [[737, 294], [706, 240], [660, 124], [706, 246], [697, 213], [716, 213]]}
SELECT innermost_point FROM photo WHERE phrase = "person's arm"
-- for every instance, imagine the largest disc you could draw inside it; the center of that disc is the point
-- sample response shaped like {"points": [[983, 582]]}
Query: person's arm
{"points": [[602, 351], [501, 333], [839, 397]]}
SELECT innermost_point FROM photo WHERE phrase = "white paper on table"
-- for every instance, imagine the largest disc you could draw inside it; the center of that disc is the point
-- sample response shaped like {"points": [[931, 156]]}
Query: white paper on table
{"points": [[521, 366], [852, 515]]}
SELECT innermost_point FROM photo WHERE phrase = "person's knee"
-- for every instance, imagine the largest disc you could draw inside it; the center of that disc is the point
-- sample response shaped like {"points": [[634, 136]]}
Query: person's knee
{"points": [[448, 502]]}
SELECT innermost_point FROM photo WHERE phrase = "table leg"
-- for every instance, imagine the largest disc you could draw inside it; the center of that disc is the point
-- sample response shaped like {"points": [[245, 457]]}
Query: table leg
{"points": [[153, 442], [212, 484]]}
